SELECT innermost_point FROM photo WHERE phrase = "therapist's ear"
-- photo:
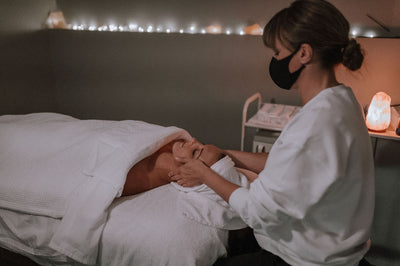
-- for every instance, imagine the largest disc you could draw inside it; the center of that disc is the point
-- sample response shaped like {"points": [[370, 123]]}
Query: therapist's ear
{"points": [[306, 53]]}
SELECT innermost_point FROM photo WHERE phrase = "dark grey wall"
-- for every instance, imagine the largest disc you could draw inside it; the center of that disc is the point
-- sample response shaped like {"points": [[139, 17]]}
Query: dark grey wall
{"points": [[26, 78], [198, 82]]}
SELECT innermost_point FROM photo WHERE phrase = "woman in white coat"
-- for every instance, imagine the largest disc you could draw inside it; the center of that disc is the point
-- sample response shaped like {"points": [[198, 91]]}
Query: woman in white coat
{"points": [[313, 201]]}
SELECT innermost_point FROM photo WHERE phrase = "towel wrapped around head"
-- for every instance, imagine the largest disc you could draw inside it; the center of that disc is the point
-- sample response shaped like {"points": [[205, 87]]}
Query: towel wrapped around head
{"points": [[202, 204]]}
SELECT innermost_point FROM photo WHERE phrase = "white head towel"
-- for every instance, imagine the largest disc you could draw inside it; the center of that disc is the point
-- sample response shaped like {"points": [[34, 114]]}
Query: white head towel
{"points": [[202, 204]]}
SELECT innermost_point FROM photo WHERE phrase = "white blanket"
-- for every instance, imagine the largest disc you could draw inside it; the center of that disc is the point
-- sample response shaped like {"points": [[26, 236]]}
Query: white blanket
{"points": [[59, 166], [202, 204], [144, 229]]}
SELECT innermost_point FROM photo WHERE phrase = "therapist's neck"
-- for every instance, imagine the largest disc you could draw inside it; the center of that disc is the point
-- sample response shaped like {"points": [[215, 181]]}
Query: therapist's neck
{"points": [[315, 79]]}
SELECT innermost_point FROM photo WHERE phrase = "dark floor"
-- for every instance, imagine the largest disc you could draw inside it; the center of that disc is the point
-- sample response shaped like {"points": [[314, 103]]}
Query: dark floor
{"points": [[8, 258]]}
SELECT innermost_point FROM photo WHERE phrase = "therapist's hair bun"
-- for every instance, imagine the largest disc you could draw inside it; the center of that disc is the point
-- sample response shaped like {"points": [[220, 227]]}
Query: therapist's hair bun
{"points": [[352, 55], [319, 24]]}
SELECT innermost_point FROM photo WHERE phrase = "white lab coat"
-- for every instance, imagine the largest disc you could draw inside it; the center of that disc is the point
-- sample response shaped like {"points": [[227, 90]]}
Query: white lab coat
{"points": [[313, 203]]}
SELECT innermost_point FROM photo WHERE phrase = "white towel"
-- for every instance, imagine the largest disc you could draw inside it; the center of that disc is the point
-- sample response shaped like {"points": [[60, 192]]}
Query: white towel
{"points": [[202, 204], [59, 166]]}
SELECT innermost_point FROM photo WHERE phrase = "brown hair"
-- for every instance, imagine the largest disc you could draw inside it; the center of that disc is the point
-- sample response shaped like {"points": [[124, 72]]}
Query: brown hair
{"points": [[319, 24]]}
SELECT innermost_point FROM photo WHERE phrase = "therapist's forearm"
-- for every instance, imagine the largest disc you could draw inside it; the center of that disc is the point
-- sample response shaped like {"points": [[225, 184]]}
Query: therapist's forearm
{"points": [[252, 161], [220, 185]]}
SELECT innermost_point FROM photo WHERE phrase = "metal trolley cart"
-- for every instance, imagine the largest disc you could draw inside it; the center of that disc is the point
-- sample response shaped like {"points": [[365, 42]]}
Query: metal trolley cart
{"points": [[269, 121]]}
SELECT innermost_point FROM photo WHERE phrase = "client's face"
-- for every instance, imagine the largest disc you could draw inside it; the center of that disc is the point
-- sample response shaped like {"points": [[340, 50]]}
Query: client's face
{"points": [[193, 149]]}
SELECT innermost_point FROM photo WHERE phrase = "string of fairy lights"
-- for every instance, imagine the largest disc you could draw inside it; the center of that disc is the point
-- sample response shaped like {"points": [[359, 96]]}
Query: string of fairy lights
{"points": [[212, 29], [191, 29], [56, 20]]}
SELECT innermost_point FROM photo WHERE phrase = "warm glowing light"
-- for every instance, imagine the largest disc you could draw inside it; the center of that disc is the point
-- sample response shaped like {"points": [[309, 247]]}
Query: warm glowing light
{"points": [[254, 29], [112, 27], [354, 32], [78, 27], [378, 117], [56, 20], [192, 29], [102, 28], [133, 27], [213, 29], [370, 34]]}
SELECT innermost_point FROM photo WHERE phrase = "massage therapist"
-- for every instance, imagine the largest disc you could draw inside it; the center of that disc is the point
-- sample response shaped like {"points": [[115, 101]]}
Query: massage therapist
{"points": [[313, 201]]}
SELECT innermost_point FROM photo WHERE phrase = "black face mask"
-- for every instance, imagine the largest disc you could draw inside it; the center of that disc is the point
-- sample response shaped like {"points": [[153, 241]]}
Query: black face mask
{"points": [[279, 72]]}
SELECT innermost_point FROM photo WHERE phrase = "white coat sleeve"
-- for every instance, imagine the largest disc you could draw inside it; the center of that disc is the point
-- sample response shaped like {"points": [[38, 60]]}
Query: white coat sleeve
{"points": [[293, 181]]}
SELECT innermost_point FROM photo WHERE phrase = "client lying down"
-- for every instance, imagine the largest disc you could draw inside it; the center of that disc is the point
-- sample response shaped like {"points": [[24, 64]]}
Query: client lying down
{"points": [[152, 171], [58, 166], [198, 202]]}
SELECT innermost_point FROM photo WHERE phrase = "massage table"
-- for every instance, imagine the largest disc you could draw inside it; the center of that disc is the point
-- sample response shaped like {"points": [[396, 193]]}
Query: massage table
{"points": [[84, 221]]}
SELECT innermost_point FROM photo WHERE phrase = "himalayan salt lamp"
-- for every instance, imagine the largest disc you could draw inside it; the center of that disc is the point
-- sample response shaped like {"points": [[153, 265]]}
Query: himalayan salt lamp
{"points": [[378, 117], [213, 29], [254, 29], [56, 20]]}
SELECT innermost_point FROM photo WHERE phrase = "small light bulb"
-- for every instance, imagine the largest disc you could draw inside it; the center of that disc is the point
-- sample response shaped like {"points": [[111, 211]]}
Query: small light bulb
{"points": [[228, 32], [112, 27], [370, 34], [241, 32], [168, 30], [133, 27], [181, 31], [203, 31]]}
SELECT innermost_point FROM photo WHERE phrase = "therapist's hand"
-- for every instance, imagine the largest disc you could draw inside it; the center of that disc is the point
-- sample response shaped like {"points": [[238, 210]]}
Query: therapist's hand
{"points": [[190, 174]]}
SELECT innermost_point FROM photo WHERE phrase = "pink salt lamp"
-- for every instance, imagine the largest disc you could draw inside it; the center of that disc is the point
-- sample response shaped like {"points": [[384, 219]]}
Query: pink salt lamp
{"points": [[378, 117]]}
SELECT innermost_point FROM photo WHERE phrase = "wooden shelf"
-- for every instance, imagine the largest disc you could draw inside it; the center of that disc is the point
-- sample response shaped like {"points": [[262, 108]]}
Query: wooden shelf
{"points": [[389, 133]]}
